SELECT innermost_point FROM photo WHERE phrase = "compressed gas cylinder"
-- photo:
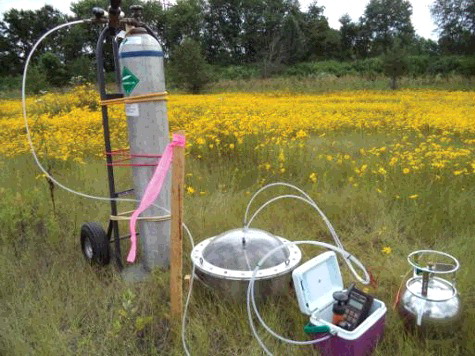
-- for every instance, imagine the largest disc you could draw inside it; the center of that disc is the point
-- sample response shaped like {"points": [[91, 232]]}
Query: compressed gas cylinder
{"points": [[142, 70]]}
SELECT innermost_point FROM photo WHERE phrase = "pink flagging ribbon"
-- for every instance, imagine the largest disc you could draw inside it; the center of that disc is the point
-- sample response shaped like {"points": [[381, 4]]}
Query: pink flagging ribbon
{"points": [[153, 190]]}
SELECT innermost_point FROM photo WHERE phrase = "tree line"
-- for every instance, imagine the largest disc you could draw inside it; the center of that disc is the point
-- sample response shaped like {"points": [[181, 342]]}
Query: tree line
{"points": [[271, 33]]}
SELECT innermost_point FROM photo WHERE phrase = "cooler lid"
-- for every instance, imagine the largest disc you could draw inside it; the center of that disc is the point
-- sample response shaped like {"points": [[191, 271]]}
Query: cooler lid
{"points": [[316, 280]]}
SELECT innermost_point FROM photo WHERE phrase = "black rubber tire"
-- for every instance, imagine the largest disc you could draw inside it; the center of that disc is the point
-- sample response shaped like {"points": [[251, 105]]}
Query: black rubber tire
{"points": [[94, 244]]}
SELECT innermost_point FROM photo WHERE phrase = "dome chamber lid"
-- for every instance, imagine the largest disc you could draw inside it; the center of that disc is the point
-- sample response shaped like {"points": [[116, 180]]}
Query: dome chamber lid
{"points": [[234, 254]]}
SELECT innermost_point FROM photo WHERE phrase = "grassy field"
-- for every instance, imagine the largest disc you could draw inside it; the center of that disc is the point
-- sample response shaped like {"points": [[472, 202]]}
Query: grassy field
{"points": [[322, 82], [390, 170], [328, 82]]}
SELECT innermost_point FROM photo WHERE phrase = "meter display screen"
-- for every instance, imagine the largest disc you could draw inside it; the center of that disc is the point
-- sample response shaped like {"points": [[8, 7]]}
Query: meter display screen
{"points": [[355, 304]]}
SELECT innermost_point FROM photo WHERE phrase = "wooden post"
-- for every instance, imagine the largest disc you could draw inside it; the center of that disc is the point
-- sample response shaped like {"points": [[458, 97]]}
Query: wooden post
{"points": [[176, 236]]}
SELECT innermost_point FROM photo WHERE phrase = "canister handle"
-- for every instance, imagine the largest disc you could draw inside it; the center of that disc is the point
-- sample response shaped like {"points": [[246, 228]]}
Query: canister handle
{"points": [[419, 268], [324, 331]]}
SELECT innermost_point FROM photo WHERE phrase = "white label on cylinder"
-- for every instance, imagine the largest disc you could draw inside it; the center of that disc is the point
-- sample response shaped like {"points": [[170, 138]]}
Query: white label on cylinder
{"points": [[132, 109], [134, 39]]}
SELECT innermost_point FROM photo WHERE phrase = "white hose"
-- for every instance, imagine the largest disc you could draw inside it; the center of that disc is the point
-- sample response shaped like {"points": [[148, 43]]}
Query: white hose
{"points": [[307, 199], [270, 185], [188, 297], [251, 295], [28, 133], [312, 203]]}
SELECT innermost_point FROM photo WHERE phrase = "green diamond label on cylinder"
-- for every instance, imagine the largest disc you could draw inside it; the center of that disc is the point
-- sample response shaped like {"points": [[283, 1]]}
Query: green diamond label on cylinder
{"points": [[129, 80]]}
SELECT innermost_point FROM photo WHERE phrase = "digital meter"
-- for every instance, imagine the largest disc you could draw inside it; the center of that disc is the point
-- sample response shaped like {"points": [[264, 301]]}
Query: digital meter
{"points": [[357, 308]]}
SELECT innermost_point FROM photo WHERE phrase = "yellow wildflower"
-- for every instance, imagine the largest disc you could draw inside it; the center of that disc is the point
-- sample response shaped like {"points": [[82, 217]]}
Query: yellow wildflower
{"points": [[313, 177], [281, 156], [301, 134]]}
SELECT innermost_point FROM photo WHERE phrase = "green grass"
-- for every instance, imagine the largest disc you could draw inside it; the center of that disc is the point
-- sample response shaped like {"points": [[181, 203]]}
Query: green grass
{"points": [[53, 303], [306, 84], [326, 83]]}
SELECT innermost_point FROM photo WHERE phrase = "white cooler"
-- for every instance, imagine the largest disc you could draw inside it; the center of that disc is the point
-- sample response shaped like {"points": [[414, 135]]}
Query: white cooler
{"points": [[314, 282]]}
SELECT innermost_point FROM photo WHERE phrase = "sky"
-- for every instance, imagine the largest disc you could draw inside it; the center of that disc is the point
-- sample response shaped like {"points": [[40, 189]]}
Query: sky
{"points": [[334, 9]]}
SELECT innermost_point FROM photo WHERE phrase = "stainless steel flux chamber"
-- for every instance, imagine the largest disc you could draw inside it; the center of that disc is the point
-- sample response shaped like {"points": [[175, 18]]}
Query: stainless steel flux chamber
{"points": [[226, 262]]}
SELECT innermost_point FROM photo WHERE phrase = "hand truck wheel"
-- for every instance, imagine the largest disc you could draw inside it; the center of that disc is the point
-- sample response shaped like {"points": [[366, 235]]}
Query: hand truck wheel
{"points": [[95, 244]]}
